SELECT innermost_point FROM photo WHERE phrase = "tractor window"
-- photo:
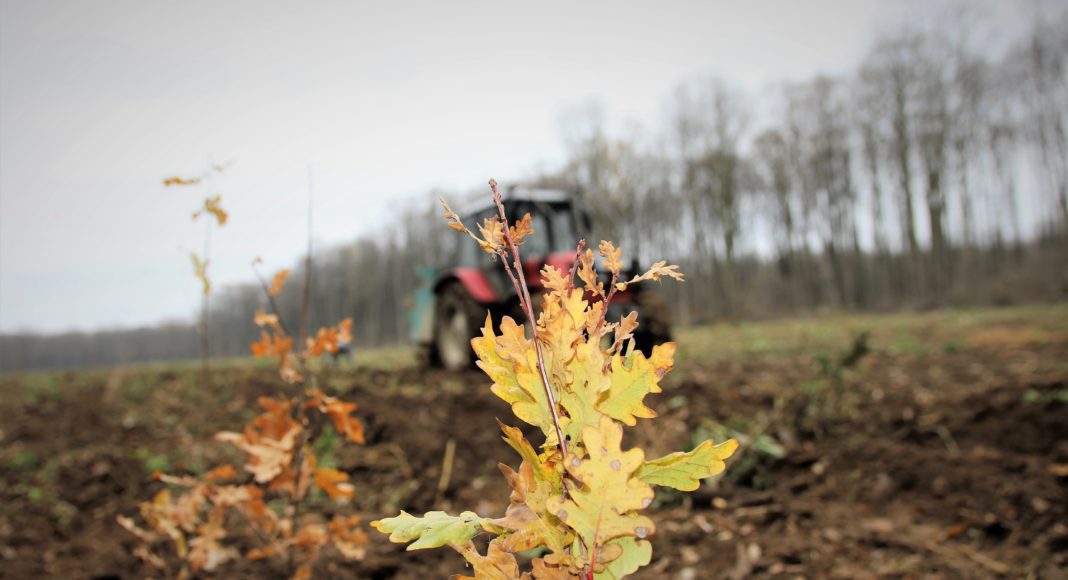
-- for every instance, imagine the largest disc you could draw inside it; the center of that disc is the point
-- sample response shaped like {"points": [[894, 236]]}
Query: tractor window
{"points": [[537, 244], [562, 224], [554, 227]]}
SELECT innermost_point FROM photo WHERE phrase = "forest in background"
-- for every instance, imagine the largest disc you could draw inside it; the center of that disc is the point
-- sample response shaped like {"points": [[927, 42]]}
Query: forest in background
{"points": [[935, 174]]}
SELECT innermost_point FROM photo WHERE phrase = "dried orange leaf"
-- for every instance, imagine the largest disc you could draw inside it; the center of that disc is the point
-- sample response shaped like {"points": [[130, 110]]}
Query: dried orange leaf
{"points": [[334, 483], [279, 280]]}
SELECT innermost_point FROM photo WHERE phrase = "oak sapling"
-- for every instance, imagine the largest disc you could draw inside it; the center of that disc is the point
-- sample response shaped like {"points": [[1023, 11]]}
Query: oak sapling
{"points": [[580, 497], [267, 495], [210, 207]]}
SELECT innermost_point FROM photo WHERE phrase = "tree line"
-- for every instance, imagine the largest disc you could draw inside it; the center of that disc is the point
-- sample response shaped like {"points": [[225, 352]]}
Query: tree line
{"points": [[933, 174]]}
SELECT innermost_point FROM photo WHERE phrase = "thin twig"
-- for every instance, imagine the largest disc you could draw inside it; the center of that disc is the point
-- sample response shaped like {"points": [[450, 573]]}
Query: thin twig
{"points": [[279, 549], [446, 469], [270, 301], [607, 301], [305, 299], [574, 265], [524, 297]]}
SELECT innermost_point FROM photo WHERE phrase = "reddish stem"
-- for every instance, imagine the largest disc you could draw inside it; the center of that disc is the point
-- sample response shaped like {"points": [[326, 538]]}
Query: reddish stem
{"points": [[574, 265], [520, 283]]}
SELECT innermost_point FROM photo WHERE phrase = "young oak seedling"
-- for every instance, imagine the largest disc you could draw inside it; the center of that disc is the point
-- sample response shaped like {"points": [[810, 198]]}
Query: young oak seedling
{"points": [[280, 471], [580, 497]]}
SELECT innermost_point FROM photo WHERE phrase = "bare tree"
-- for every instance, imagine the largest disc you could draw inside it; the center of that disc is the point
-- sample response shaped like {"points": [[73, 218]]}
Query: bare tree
{"points": [[889, 70], [710, 121], [1043, 61], [772, 169]]}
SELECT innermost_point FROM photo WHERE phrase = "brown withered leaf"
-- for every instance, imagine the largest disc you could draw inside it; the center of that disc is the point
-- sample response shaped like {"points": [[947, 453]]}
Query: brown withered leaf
{"points": [[544, 570], [230, 495], [625, 330], [206, 553], [348, 538], [497, 564], [340, 413], [277, 345], [221, 473], [521, 229], [329, 340]]}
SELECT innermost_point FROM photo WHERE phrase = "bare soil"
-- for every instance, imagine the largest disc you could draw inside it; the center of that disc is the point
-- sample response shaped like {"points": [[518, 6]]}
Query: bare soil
{"points": [[951, 463]]}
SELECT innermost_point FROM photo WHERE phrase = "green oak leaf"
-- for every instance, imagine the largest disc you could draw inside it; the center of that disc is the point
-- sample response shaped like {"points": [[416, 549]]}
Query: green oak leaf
{"points": [[636, 553], [684, 471], [433, 530]]}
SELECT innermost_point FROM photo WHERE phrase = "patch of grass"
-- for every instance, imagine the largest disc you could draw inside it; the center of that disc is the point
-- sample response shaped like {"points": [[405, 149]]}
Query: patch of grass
{"points": [[905, 333], [23, 460], [151, 461]]}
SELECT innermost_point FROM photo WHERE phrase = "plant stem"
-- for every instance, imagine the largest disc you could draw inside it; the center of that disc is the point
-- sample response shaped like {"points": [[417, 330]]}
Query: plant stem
{"points": [[526, 304], [574, 265], [305, 299]]}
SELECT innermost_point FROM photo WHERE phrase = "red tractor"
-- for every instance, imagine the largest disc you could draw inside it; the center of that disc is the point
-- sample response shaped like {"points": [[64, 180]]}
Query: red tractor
{"points": [[451, 309]]}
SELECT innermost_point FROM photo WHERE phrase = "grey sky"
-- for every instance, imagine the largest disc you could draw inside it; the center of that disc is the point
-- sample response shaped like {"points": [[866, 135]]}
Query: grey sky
{"points": [[99, 101]]}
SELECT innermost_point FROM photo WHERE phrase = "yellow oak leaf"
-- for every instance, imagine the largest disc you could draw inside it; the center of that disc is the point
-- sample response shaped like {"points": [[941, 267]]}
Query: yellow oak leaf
{"points": [[630, 384], [553, 279], [279, 280], [588, 274], [581, 393], [663, 358], [180, 181], [613, 256], [655, 272], [200, 270], [633, 554], [603, 506], [514, 438], [212, 206], [528, 523], [510, 361], [492, 231]]}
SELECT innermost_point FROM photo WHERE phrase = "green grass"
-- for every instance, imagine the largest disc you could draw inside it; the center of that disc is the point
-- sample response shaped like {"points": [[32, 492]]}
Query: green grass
{"points": [[913, 333], [917, 333]]}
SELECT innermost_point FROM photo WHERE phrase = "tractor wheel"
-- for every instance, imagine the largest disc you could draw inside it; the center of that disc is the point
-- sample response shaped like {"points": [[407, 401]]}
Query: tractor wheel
{"points": [[455, 324], [654, 321]]}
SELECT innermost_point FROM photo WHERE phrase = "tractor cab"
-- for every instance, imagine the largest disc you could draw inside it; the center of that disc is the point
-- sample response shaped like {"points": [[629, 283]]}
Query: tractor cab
{"points": [[451, 307], [558, 226]]}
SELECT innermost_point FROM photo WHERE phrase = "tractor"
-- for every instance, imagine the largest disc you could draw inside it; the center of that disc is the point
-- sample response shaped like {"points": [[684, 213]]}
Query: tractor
{"points": [[450, 309]]}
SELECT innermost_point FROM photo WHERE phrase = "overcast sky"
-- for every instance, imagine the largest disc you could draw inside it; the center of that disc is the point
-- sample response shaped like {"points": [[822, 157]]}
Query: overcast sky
{"points": [[99, 101]]}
